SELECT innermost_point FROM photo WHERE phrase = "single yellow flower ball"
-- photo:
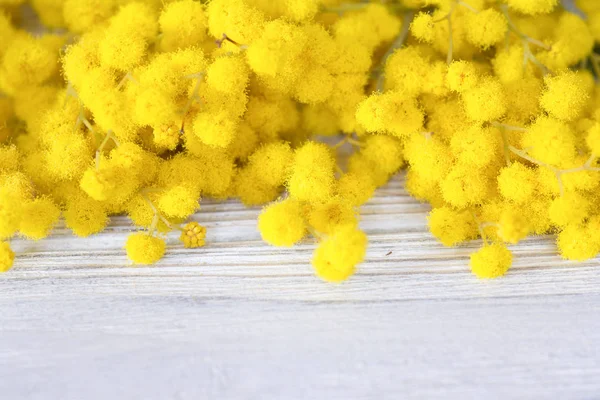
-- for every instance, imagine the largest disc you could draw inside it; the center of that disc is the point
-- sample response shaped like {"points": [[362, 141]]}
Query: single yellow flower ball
{"points": [[423, 27], [228, 75], [7, 257], [282, 224], [218, 129], [100, 184], [183, 24], [356, 187], [565, 96], [571, 208], [451, 226], [551, 141], [179, 201], [485, 28], [514, 225], [329, 216], [39, 217], [386, 152], [517, 182], [302, 10], [578, 242], [272, 162], [81, 15], [312, 177], [336, 257], [84, 215], [462, 76], [10, 212], [486, 101], [144, 249], [491, 261], [193, 235]]}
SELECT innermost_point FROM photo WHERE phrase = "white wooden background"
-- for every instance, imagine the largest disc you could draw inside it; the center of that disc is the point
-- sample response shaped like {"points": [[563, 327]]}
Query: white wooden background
{"points": [[240, 320]]}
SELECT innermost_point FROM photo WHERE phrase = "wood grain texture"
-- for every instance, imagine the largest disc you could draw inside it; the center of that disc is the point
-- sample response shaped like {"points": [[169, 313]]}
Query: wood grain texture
{"points": [[241, 320]]}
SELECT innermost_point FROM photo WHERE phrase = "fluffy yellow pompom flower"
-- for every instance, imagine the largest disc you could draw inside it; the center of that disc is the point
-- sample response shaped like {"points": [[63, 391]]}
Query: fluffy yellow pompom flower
{"points": [[517, 182], [551, 141], [27, 62], [520, 92], [327, 217], [406, 70], [84, 215], [235, 18], [271, 163], [155, 108], [486, 101], [508, 64], [485, 28], [218, 129], [462, 76], [144, 249], [571, 208], [276, 53], [10, 212], [475, 146], [80, 15], [178, 201], [428, 156], [578, 242], [372, 26], [101, 184], [125, 43], [251, 190], [302, 10], [532, 7], [193, 235], [565, 96], [68, 155], [491, 261], [464, 186], [282, 224], [514, 225], [390, 112], [451, 226], [424, 189], [228, 75], [312, 176], [315, 86], [167, 136], [385, 152], [356, 187], [422, 27], [182, 24], [39, 217], [7, 257], [336, 257], [573, 42]]}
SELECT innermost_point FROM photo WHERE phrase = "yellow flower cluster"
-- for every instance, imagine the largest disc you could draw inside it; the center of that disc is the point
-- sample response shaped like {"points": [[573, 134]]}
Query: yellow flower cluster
{"points": [[143, 107]]}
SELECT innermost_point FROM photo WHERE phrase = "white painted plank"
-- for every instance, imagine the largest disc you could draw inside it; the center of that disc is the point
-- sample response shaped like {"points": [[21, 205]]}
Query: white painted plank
{"points": [[131, 347]]}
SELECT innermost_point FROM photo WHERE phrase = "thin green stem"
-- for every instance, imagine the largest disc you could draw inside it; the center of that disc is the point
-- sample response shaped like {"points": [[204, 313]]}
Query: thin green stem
{"points": [[508, 127], [467, 6], [100, 149], [157, 213]]}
